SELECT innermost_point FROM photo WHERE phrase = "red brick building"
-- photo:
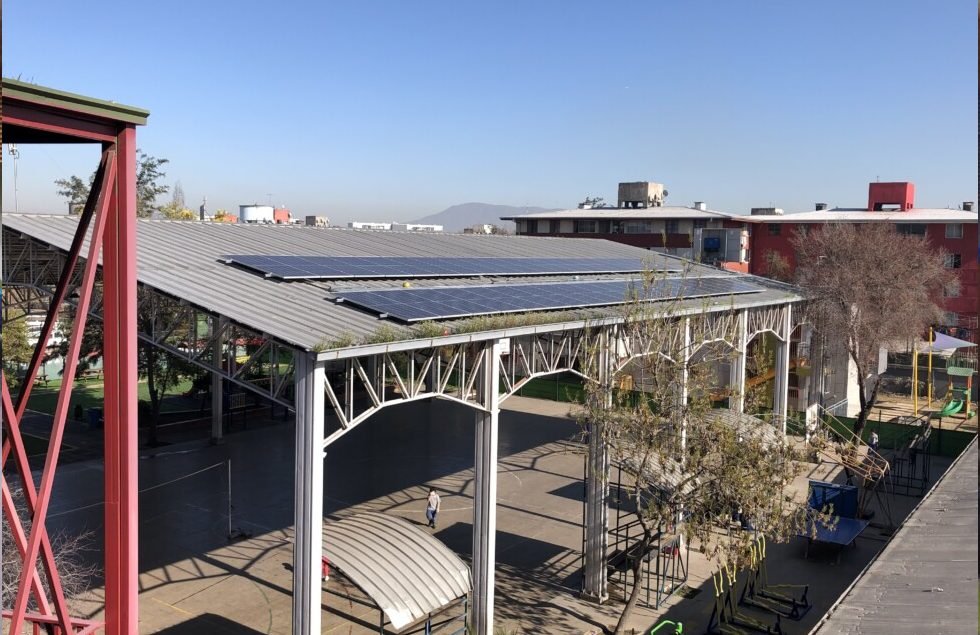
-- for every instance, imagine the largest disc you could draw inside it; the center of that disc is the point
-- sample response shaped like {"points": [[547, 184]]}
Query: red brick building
{"points": [[755, 241]]}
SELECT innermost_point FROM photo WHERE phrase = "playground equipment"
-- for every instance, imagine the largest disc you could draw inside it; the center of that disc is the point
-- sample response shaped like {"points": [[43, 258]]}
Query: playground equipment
{"points": [[725, 618], [667, 627], [864, 466], [956, 398], [911, 462], [664, 561], [786, 600]]}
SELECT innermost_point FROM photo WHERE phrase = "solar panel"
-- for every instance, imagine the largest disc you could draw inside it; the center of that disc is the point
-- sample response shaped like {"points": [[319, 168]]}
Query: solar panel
{"points": [[340, 267], [415, 304]]}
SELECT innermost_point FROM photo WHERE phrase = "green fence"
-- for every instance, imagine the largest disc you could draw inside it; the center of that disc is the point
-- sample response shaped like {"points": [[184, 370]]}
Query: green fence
{"points": [[950, 443]]}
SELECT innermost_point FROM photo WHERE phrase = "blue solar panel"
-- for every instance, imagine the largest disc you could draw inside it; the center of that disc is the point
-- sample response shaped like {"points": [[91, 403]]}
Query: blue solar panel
{"points": [[432, 303], [334, 267]]}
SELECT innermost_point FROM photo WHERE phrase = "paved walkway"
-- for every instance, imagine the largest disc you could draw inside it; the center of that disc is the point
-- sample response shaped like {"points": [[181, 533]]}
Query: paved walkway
{"points": [[194, 581]]}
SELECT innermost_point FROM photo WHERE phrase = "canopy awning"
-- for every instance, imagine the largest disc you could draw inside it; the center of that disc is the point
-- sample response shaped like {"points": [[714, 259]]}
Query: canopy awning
{"points": [[943, 344], [406, 571]]}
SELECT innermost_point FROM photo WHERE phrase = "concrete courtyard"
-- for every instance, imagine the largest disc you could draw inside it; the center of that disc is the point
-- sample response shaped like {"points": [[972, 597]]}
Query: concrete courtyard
{"points": [[194, 580]]}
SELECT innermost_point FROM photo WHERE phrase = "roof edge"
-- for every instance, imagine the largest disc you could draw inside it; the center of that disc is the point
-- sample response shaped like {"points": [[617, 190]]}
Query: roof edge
{"points": [[43, 95]]}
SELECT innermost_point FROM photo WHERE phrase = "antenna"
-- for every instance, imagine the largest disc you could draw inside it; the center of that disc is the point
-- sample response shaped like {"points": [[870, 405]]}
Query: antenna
{"points": [[15, 153]]}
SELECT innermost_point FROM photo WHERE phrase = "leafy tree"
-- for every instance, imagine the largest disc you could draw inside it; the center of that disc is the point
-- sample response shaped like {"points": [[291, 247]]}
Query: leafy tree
{"points": [[17, 349], [688, 468], [75, 190], [869, 286], [161, 370], [174, 211], [149, 172]]}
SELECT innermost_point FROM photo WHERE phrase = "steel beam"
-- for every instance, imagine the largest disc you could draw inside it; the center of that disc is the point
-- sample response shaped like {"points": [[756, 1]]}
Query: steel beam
{"points": [[119, 355], [217, 383], [781, 391], [596, 587], [737, 400], [308, 491], [485, 492]]}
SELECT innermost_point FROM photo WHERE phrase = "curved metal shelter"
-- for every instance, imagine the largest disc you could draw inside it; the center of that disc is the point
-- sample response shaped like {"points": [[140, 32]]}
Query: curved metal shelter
{"points": [[406, 571]]}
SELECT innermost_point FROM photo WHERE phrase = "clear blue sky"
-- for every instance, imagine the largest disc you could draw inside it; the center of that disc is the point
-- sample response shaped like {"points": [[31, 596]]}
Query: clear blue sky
{"points": [[393, 110]]}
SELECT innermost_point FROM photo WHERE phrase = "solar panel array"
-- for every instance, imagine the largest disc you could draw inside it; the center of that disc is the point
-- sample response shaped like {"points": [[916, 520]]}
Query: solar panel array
{"points": [[341, 267], [434, 303]]}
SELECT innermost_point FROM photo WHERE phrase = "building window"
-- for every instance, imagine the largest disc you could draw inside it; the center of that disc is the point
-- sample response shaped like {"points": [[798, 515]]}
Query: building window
{"points": [[637, 227], [602, 227], [775, 229], [585, 227], [911, 229], [531, 227], [700, 223], [953, 261], [951, 290], [670, 227], [954, 230]]}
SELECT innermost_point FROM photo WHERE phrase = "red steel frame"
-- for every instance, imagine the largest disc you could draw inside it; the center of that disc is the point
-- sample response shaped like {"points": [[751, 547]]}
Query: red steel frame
{"points": [[110, 212]]}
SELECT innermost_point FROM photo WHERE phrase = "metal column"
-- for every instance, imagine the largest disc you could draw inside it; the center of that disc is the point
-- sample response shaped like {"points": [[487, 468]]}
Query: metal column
{"points": [[217, 383], [596, 587], [308, 543], [485, 493], [121, 482], [737, 401], [781, 393]]}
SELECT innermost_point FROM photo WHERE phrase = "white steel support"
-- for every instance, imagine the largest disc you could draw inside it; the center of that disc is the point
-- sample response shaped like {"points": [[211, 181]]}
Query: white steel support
{"points": [[596, 587], [308, 547], [737, 401], [485, 493], [682, 389], [781, 393], [217, 384]]}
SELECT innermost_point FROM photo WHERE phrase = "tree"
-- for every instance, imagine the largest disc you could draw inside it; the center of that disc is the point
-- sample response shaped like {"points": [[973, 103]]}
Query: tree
{"points": [[69, 556], [688, 466], [868, 286], [777, 266], [17, 349], [161, 370], [76, 191], [148, 175], [148, 187]]}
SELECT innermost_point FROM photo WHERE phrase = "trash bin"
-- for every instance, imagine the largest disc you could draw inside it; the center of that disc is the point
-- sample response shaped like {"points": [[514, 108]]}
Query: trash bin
{"points": [[95, 418]]}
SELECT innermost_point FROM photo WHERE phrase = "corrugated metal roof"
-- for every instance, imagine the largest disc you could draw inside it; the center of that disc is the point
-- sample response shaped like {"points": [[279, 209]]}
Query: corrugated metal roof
{"points": [[863, 216], [925, 579], [405, 570], [181, 259], [602, 213]]}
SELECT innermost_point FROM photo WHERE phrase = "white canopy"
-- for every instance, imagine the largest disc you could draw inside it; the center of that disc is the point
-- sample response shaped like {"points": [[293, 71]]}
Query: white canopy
{"points": [[944, 345]]}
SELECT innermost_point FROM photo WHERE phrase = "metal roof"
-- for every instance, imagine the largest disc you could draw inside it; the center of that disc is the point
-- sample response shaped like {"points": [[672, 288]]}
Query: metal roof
{"points": [[405, 570], [916, 215], [925, 579], [52, 98], [181, 259], [645, 213]]}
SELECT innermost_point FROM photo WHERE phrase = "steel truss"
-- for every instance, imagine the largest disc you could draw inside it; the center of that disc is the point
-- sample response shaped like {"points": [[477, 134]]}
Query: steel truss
{"points": [[184, 331]]}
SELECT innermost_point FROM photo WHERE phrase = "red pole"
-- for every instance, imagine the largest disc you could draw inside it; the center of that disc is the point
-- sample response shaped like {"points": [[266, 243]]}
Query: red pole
{"points": [[38, 533], [119, 285]]}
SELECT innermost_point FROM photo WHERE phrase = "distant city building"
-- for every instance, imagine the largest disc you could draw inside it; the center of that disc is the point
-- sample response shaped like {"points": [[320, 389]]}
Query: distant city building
{"points": [[317, 221], [398, 227], [751, 242]]}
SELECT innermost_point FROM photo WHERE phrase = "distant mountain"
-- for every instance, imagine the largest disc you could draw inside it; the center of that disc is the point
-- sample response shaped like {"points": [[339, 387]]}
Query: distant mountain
{"points": [[459, 217]]}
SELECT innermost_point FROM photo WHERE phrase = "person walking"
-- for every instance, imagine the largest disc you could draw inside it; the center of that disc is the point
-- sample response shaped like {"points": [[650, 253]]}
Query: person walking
{"points": [[873, 441], [432, 507]]}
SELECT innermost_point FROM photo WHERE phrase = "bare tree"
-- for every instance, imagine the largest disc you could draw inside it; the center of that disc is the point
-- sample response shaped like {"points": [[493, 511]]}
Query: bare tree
{"points": [[870, 285], [69, 555], [777, 266], [689, 466]]}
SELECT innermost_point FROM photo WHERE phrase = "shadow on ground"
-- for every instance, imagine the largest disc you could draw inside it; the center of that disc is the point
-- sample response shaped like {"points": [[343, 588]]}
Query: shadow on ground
{"points": [[206, 624]]}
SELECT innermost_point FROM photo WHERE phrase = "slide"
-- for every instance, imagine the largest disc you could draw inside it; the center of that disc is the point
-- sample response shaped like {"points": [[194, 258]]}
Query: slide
{"points": [[950, 408]]}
